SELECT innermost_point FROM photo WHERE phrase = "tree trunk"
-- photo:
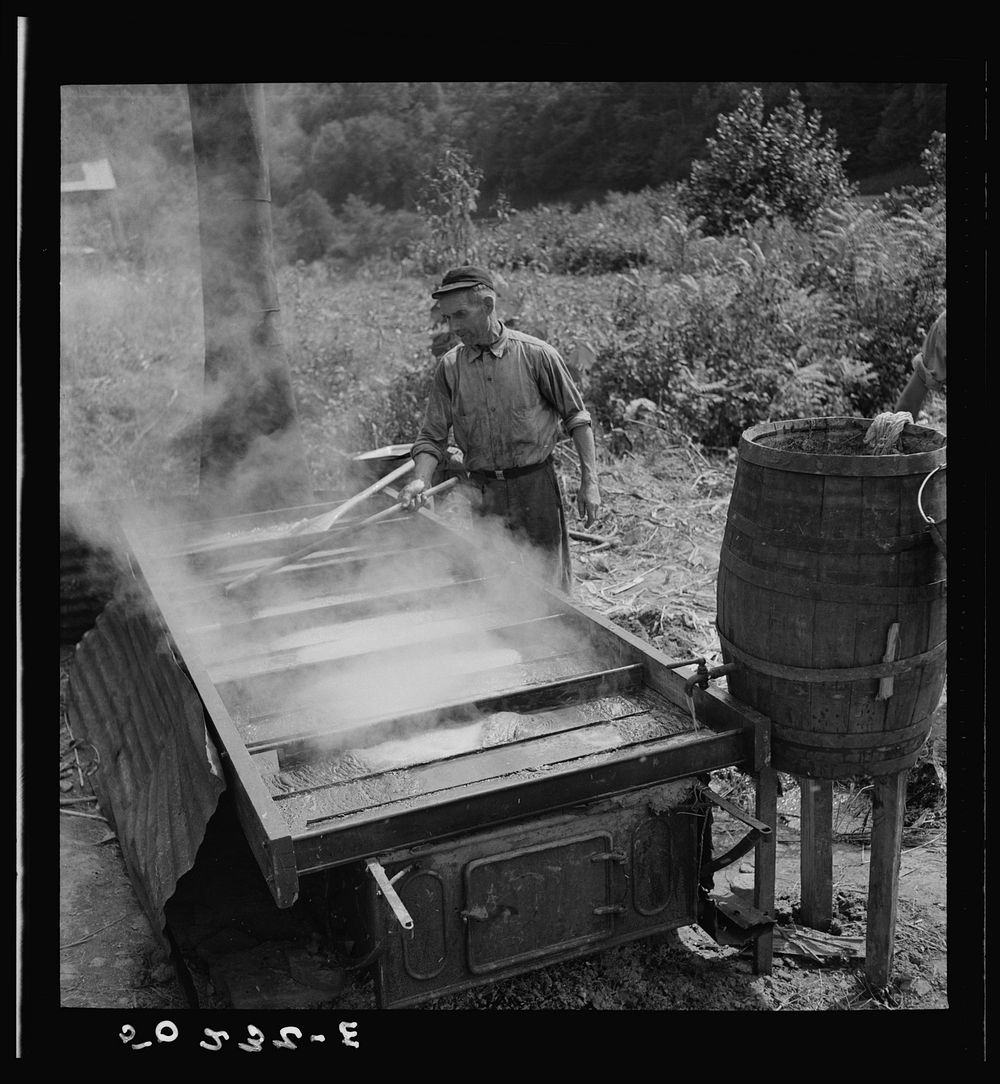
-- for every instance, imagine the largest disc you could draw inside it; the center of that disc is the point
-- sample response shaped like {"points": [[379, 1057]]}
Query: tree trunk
{"points": [[252, 452]]}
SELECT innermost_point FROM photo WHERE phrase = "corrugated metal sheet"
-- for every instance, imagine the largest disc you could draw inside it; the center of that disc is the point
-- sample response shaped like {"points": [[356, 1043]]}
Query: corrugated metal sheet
{"points": [[86, 585], [158, 776], [88, 568]]}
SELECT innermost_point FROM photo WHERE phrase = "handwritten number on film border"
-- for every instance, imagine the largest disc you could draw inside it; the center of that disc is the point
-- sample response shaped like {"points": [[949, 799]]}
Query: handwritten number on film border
{"points": [[166, 1031]]}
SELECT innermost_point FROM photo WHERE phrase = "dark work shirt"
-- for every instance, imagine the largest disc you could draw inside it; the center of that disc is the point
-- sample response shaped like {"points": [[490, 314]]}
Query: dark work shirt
{"points": [[507, 403]]}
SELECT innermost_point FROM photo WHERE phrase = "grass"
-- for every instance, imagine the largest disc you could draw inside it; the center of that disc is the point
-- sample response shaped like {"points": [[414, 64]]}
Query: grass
{"points": [[132, 357], [357, 345], [131, 362]]}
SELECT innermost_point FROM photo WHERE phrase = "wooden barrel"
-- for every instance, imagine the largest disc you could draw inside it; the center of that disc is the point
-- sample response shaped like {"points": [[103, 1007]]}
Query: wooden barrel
{"points": [[831, 593]]}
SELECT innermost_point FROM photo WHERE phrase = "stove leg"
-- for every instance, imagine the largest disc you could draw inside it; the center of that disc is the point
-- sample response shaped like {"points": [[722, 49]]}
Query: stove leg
{"points": [[816, 855], [888, 810]]}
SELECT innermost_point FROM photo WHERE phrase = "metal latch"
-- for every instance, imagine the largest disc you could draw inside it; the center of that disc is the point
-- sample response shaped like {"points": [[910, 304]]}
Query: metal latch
{"points": [[385, 887], [619, 858]]}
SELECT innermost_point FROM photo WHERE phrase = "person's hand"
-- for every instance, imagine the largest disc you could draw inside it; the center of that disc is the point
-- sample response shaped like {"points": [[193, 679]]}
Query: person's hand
{"points": [[411, 495], [588, 502]]}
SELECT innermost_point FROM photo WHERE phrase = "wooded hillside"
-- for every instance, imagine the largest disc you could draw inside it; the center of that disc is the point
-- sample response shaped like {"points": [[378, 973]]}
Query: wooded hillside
{"points": [[534, 141]]}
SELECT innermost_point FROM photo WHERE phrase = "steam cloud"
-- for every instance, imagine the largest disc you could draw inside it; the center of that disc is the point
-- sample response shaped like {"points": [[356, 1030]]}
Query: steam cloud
{"points": [[133, 345]]}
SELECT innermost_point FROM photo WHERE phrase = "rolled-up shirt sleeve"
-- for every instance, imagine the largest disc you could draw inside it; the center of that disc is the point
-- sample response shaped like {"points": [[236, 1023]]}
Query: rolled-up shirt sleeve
{"points": [[557, 386], [433, 435]]}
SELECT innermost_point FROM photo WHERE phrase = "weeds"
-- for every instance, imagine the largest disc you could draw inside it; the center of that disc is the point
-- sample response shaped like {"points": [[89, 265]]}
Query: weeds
{"points": [[716, 333]]}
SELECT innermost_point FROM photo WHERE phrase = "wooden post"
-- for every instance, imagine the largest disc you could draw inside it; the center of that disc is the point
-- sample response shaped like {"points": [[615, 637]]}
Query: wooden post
{"points": [[252, 452], [888, 809], [766, 847], [816, 856]]}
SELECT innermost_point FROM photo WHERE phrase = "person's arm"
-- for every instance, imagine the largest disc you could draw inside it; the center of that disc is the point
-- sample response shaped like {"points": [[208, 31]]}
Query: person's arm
{"points": [[557, 387], [913, 395], [588, 500], [930, 368], [430, 447]]}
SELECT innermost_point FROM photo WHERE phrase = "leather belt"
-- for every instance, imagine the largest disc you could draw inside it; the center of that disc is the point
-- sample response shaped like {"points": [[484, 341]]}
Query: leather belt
{"points": [[510, 472]]}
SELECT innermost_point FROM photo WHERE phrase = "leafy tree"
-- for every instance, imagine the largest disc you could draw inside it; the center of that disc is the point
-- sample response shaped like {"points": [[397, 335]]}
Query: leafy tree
{"points": [[328, 150], [496, 123], [369, 231], [427, 96], [385, 99], [855, 111], [784, 166], [288, 156], [913, 112], [306, 228], [315, 104]]}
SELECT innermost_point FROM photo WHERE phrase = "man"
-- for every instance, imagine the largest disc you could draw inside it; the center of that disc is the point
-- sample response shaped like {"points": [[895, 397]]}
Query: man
{"points": [[507, 396], [930, 369]]}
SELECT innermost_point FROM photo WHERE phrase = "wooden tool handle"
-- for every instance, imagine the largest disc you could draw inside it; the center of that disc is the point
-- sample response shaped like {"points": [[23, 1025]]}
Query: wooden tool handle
{"points": [[317, 543], [326, 520]]}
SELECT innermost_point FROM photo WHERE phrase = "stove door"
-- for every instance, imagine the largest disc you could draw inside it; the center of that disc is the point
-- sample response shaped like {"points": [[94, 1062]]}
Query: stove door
{"points": [[524, 904], [519, 897]]}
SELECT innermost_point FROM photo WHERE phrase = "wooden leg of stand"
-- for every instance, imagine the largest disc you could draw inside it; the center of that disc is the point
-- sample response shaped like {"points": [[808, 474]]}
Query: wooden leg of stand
{"points": [[764, 866], [765, 847], [888, 810], [816, 858]]}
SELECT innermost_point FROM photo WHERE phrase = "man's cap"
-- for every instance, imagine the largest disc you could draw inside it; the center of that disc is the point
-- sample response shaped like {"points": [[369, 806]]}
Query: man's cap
{"points": [[462, 278]]}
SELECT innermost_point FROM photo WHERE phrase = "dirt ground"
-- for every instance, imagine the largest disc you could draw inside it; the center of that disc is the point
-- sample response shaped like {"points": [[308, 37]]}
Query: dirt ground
{"points": [[657, 579]]}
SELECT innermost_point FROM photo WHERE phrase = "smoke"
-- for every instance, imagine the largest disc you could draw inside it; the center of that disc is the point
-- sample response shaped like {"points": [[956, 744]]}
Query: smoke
{"points": [[452, 644], [138, 412], [386, 626], [389, 636], [131, 328]]}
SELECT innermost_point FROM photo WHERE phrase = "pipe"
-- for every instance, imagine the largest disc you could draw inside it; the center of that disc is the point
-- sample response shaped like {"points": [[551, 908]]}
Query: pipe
{"points": [[385, 887]]}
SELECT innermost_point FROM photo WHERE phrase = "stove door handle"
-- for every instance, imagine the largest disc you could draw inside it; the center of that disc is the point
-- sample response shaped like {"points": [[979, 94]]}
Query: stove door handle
{"points": [[385, 887], [618, 860]]}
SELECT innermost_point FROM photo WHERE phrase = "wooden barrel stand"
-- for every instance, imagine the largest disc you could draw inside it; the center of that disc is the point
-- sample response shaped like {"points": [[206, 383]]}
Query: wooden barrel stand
{"points": [[816, 865], [831, 606]]}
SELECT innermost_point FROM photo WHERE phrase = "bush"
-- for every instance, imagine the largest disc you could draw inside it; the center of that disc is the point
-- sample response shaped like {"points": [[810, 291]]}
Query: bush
{"points": [[448, 195], [367, 231], [749, 337], [719, 333], [886, 275], [305, 229], [922, 197], [756, 169], [615, 234]]}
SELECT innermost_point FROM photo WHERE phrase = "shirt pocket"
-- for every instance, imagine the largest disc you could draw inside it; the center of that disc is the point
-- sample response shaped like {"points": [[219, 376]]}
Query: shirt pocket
{"points": [[525, 428], [468, 427]]}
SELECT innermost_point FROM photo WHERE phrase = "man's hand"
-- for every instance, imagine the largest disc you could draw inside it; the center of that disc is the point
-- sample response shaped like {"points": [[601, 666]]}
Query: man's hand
{"points": [[588, 502], [412, 494]]}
